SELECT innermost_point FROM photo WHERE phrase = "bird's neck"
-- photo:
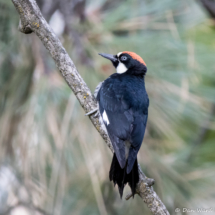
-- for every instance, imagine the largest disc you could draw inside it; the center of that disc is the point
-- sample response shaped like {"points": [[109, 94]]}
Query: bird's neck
{"points": [[136, 72]]}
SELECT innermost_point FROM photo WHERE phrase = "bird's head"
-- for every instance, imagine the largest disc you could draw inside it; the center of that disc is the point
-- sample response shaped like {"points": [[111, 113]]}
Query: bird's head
{"points": [[128, 62]]}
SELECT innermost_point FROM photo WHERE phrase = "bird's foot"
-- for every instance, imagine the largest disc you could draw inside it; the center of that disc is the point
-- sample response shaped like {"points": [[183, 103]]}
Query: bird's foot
{"points": [[142, 184], [92, 112]]}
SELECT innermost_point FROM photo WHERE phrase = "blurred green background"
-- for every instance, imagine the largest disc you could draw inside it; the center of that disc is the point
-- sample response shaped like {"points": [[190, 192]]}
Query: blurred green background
{"points": [[53, 161]]}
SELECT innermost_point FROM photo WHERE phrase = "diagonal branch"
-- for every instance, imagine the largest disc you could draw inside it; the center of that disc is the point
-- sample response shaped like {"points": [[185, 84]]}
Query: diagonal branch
{"points": [[33, 21]]}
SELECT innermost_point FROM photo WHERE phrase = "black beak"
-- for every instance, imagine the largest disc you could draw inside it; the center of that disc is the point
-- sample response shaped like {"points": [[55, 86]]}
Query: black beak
{"points": [[109, 57]]}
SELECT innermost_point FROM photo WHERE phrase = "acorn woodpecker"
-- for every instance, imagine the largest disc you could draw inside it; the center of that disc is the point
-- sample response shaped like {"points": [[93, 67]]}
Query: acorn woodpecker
{"points": [[123, 106]]}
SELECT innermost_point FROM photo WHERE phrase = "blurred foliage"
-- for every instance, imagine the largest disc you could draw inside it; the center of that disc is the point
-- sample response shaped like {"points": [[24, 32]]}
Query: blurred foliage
{"points": [[52, 158]]}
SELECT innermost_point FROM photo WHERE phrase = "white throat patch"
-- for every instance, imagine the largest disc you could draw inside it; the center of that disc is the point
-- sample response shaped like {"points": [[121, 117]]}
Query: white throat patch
{"points": [[121, 68]]}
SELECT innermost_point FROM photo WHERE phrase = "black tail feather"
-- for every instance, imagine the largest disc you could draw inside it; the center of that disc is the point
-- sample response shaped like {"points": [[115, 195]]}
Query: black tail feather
{"points": [[121, 178]]}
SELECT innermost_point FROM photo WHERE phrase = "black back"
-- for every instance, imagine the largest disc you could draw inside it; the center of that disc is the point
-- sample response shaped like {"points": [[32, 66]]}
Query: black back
{"points": [[124, 99]]}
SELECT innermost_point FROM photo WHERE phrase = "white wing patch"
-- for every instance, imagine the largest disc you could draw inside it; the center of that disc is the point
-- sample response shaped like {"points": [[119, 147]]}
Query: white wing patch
{"points": [[121, 68], [105, 118]]}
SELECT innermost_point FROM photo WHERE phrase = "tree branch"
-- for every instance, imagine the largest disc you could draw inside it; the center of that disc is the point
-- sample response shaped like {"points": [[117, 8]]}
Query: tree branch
{"points": [[33, 21]]}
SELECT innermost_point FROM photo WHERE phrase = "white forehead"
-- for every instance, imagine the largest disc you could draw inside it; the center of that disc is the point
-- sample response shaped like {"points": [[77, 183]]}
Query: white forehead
{"points": [[119, 54]]}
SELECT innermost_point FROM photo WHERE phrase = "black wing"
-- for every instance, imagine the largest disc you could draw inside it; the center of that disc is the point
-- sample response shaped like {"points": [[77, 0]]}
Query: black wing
{"points": [[113, 113], [139, 126]]}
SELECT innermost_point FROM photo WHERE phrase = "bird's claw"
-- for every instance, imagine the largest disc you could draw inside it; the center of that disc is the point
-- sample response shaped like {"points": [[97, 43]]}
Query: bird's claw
{"points": [[91, 112], [96, 114]]}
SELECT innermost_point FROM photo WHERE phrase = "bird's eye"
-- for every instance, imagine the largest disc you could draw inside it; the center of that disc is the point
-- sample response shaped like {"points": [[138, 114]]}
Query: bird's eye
{"points": [[123, 58]]}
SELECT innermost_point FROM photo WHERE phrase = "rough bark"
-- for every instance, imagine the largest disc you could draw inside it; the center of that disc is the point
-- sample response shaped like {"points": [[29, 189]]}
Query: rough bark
{"points": [[31, 20]]}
